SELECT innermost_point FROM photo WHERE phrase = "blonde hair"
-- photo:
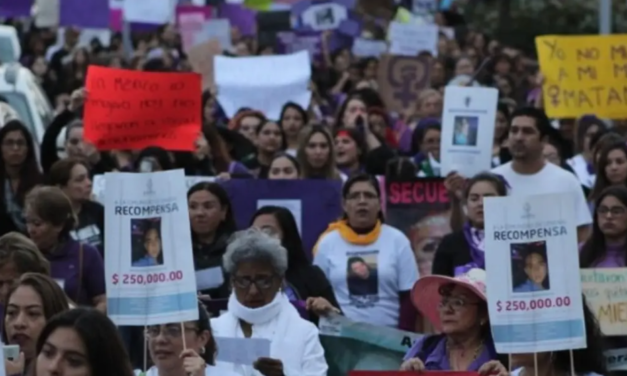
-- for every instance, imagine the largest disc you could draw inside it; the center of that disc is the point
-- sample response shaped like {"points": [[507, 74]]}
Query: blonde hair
{"points": [[328, 171], [22, 252]]}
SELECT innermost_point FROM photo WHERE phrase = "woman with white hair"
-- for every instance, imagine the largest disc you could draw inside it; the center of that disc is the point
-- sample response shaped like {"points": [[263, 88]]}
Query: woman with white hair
{"points": [[258, 308]]}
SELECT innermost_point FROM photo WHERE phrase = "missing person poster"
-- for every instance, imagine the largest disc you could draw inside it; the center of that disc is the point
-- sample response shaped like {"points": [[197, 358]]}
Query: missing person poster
{"points": [[149, 265], [468, 129], [534, 288]]}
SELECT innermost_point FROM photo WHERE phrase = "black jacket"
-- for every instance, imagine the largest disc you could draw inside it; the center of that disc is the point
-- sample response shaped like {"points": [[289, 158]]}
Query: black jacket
{"points": [[452, 252]]}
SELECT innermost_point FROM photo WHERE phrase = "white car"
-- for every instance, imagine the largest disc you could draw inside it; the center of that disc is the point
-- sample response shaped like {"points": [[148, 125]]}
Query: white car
{"points": [[19, 88]]}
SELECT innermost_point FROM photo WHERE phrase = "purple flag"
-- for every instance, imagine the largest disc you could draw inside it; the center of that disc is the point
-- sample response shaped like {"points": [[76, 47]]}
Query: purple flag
{"points": [[93, 14], [290, 42], [243, 18], [15, 8], [320, 202]]}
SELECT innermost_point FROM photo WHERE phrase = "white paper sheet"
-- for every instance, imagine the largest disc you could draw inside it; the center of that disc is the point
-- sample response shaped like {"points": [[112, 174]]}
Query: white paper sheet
{"points": [[243, 351], [220, 29], [369, 48], [157, 12], [209, 278], [409, 39], [264, 83]]}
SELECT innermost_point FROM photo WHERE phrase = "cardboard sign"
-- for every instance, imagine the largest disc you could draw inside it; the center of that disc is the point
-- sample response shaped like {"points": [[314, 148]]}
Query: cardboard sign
{"points": [[400, 80], [607, 298], [584, 75], [201, 59], [134, 110]]}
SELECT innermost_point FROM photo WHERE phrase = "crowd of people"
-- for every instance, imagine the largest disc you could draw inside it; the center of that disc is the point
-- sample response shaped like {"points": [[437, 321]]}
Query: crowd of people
{"points": [[52, 244]]}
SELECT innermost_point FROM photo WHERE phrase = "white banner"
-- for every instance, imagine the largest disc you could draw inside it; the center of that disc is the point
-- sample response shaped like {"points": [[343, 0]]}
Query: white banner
{"points": [[616, 359], [263, 83], [533, 283], [149, 266], [467, 130]]}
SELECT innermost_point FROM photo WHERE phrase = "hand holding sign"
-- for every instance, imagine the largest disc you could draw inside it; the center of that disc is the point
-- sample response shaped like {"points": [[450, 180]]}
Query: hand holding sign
{"points": [[134, 110]]}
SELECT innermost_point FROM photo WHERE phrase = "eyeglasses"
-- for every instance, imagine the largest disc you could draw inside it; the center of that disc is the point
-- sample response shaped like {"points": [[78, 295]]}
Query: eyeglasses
{"points": [[455, 303], [614, 210], [170, 331], [18, 144], [262, 283]]}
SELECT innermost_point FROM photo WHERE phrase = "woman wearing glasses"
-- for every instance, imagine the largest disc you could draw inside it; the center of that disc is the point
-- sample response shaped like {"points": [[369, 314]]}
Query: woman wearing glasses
{"points": [[257, 306], [184, 349], [461, 315]]}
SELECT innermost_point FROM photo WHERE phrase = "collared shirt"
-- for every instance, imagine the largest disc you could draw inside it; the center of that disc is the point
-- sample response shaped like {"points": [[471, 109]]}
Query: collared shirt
{"points": [[65, 268], [528, 286]]}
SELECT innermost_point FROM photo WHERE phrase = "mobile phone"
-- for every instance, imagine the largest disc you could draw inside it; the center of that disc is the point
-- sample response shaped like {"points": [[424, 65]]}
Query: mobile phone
{"points": [[360, 123], [11, 352]]}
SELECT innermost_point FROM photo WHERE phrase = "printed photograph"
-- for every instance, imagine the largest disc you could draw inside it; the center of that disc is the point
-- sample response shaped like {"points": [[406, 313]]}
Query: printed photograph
{"points": [[530, 268], [465, 130], [362, 275], [146, 244]]}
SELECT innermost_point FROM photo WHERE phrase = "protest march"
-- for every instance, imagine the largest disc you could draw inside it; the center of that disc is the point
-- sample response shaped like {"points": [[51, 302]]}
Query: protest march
{"points": [[313, 188]]}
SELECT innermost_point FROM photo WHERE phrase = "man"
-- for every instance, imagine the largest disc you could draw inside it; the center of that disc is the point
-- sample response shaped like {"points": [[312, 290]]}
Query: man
{"points": [[529, 173]]}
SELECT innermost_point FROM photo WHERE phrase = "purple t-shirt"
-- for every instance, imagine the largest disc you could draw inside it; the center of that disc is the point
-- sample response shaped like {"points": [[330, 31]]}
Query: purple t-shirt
{"points": [[436, 359], [65, 269], [614, 258]]}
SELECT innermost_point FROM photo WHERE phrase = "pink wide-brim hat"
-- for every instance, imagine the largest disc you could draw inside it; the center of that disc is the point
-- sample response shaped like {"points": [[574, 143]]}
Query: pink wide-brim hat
{"points": [[426, 292]]}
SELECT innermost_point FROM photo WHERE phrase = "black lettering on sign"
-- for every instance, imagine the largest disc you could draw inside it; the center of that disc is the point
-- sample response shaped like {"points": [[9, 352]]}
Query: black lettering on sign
{"points": [[586, 73], [588, 53], [406, 342], [556, 51], [562, 75], [618, 52], [592, 97], [123, 84], [620, 70], [151, 104], [177, 86]]}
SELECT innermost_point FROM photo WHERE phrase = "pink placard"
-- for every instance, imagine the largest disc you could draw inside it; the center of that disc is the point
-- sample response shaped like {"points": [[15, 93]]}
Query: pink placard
{"points": [[115, 19], [190, 20]]}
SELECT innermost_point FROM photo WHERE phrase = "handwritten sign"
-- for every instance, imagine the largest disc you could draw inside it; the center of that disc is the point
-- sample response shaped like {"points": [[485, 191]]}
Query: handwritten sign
{"points": [[607, 298], [400, 80], [584, 75], [135, 110]]}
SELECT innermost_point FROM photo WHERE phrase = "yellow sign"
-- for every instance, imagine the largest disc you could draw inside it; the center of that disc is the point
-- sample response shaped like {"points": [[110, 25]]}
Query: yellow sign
{"points": [[606, 295], [584, 75]]}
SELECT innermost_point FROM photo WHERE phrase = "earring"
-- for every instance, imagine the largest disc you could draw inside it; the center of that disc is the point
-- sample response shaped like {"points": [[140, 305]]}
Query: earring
{"points": [[202, 350]]}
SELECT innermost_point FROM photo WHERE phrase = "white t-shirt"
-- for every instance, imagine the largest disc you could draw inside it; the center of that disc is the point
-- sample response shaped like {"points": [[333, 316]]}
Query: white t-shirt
{"points": [[209, 371], [517, 372], [378, 272], [551, 179], [580, 166]]}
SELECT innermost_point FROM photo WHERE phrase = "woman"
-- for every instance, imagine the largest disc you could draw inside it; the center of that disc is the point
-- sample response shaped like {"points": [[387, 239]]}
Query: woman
{"points": [[463, 250], [81, 342], [18, 255], [607, 245], [351, 150], [376, 290], [72, 176], [303, 281], [583, 163], [152, 251], [246, 122], [212, 223], [500, 151], [32, 301], [353, 113], [426, 147], [257, 263], [270, 140], [184, 348], [293, 119], [611, 168], [19, 173], [284, 167], [588, 361], [316, 154], [77, 267], [457, 308]]}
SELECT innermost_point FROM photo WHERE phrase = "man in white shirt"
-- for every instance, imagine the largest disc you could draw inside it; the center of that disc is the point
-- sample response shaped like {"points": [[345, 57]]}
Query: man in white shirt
{"points": [[528, 173]]}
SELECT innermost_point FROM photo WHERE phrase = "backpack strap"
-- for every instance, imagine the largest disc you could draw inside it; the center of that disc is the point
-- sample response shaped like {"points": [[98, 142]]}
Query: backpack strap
{"points": [[80, 272]]}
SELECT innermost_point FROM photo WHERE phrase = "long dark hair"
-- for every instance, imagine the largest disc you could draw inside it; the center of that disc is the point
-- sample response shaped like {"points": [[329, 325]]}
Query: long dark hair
{"points": [[153, 227], [228, 225], [595, 247], [296, 257], [358, 178], [296, 107], [602, 181], [105, 350], [457, 212], [30, 175]]}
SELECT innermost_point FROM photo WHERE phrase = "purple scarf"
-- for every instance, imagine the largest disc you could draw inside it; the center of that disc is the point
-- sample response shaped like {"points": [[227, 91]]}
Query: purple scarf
{"points": [[474, 237]]}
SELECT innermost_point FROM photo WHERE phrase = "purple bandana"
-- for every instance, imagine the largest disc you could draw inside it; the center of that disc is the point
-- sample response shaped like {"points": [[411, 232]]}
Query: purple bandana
{"points": [[474, 237]]}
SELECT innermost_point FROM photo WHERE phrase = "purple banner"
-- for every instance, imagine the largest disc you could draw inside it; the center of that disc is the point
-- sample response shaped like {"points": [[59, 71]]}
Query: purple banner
{"points": [[289, 42], [15, 8], [324, 14], [321, 200], [243, 18], [93, 14]]}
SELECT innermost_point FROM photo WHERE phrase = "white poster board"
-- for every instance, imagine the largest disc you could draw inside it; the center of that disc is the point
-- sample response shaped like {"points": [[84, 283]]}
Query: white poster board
{"points": [[533, 283], [410, 39], [149, 267], [467, 129]]}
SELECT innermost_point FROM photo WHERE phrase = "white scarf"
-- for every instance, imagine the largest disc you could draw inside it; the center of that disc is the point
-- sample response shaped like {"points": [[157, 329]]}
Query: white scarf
{"points": [[257, 316]]}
